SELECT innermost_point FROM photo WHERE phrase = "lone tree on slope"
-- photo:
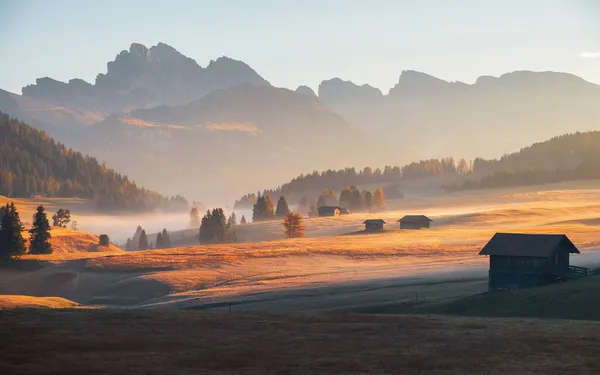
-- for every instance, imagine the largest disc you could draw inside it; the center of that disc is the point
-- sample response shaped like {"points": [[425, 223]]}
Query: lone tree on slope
{"points": [[104, 240], [39, 234], [293, 226], [61, 218], [143, 242]]}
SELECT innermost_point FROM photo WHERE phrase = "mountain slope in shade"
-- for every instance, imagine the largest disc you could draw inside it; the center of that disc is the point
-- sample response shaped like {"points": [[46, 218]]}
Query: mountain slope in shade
{"points": [[487, 118], [142, 78], [232, 141]]}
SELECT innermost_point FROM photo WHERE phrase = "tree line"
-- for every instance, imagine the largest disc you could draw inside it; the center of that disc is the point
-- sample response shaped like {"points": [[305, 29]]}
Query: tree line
{"points": [[32, 163]]}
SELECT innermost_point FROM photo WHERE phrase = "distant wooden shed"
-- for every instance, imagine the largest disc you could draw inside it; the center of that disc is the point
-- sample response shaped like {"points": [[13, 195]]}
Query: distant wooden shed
{"points": [[525, 260], [415, 222], [373, 224], [329, 211]]}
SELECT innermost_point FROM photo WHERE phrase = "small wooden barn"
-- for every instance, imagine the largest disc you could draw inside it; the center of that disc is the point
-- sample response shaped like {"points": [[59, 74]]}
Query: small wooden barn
{"points": [[415, 222], [526, 260], [329, 211], [372, 225]]}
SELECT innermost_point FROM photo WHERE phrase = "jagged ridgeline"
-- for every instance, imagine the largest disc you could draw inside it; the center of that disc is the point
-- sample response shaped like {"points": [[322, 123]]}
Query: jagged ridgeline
{"points": [[32, 163]]}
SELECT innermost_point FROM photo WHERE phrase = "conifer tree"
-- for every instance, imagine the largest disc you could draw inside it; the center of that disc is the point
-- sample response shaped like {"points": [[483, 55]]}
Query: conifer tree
{"points": [[143, 242], [166, 239], [39, 234], [243, 220], [378, 198], [232, 221], [293, 226], [12, 243], [282, 207], [159, 241]]}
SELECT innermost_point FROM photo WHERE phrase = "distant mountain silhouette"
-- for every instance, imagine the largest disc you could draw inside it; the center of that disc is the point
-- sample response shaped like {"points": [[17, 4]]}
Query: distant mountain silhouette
{"points": [[232, 141], [487, 118], [305, 90], [143, 78]]}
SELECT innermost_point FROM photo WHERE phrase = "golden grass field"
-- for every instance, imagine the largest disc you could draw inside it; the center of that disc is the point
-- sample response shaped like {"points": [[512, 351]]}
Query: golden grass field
{"points": [[335, 254]]}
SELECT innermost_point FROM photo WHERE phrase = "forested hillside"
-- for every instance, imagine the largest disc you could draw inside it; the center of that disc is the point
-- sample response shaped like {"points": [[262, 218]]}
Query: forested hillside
{"points": [[563, 158], [31, 162]]}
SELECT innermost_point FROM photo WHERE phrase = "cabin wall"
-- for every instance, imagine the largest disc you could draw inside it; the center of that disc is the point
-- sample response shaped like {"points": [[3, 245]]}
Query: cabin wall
{"points": [[414, 225]]}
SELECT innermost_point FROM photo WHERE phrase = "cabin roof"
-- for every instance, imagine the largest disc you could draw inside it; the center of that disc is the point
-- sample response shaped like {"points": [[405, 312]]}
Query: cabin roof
{"points": [[414, 218], [527, 245], [374, 221]]}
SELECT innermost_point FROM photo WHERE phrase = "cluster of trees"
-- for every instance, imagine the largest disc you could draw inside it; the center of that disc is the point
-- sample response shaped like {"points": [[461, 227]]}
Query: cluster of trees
{"points": [[32, 163], [339, 179], [354, 199], [588, 169], [12, 243], [140, 240], [215, 227], [264, 209]]}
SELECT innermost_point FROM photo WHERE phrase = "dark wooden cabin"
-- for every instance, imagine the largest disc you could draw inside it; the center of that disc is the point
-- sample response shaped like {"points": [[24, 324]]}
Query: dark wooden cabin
{"points": [[329, 211], [415, 222], [526, 260], [372, 225]]}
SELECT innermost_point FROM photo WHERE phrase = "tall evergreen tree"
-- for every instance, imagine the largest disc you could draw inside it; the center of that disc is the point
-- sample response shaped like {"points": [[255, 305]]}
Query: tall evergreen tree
{"points": [[321, 201], [143, 241], [243, 220], [12, 243], [39, 234], [282, 207], [159, 241], [166, 239], [232, 221], [293, 226]]}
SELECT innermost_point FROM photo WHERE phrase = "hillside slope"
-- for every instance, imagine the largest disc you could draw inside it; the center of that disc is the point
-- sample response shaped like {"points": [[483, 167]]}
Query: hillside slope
{"points": [[31, 162], [232, 141]]}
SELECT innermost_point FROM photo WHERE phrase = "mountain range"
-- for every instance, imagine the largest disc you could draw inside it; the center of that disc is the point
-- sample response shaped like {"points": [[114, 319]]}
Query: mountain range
{"points": [[215, 132]]}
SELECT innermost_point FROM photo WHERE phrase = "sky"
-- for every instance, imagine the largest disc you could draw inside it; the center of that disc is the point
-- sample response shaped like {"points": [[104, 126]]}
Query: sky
{"points": [[302, 42]]}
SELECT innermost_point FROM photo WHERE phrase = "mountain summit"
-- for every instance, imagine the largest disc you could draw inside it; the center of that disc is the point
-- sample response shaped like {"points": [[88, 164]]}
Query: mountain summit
{"points": [[142, 78]]}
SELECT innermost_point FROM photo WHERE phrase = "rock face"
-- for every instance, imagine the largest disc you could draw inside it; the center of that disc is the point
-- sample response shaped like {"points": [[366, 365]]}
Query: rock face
{"points": [[143, 78], [493, 116]]}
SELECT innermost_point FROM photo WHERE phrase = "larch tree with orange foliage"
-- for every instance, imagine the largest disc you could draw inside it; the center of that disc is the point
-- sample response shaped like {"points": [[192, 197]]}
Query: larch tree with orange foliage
{"points": [[293, 226]]}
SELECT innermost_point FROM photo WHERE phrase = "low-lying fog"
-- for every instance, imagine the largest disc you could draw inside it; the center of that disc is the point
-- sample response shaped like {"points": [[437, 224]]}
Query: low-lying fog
{"points": [[121, 227]]}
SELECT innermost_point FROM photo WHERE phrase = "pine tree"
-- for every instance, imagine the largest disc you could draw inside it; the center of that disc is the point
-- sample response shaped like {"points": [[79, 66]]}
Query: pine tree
{"points": [[137, 234], [282, 208], [159, 241], [103, 240], [378, 198], [39, 234], [143, 242], [166, 239], [12, 243], [293, 226], [368, 200], [243, 220], [194, 218], [232, 221], [205, 233], [129, 244]]}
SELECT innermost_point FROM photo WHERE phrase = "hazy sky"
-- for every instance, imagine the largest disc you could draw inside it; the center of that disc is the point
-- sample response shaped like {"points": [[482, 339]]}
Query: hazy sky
{"points": [[293, 42]]}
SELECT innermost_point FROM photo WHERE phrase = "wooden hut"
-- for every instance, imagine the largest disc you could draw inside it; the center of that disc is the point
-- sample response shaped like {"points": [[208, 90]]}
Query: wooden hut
{"points": [[329, 211], [526, 260], [372, 225], [415, 222]]}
